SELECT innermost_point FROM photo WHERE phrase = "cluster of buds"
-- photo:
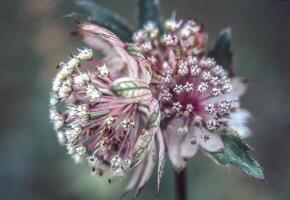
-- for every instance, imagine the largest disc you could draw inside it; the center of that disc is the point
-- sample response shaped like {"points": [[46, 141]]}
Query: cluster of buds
{"points": [[108, 121], [179, 40]]}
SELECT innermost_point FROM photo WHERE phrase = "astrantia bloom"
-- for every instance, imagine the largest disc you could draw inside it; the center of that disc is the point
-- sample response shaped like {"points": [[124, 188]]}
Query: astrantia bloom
{"points": [[197, 97], [103, 110], [179, 40], [107, 111]]}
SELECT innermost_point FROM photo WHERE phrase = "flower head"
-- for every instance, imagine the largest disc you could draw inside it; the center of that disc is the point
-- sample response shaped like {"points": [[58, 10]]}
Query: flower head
{"points": [[197, 97], [103, 114], [178, 40], [112, 109]]}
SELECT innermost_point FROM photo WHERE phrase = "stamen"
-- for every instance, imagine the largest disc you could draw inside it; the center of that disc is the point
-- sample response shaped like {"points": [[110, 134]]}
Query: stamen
{"points": [[127, 124], [126, 164], [189, 108], [210, 108], [206, 75], [211, 125], [202, 87], [177, 106], [195, 70], [81, 150], [188, 87], [81, 79], [93, 93], [197, 120], [215, 92], [183, 69], [116, 162], [178, 89]]}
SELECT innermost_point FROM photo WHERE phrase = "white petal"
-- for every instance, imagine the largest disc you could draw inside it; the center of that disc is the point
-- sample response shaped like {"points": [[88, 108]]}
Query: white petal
{"points": [[238, 121], [102, 33], [147, 170], [239, 84], [96, 42], [213, 144], [134, 179], [161, 157], [174, 140], [189, 146]]}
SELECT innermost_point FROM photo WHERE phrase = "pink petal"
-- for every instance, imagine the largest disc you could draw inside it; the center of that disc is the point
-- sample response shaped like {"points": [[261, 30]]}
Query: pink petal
{"points": [[147, 171], [189, 147], [174, 140], [213, 144], [112, 47], [161, 158], [103, 33], [240, 85], [95, 42], [136, 176]]}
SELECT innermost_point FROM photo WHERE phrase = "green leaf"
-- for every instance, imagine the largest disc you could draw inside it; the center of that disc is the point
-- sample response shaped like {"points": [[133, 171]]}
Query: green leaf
{"points": [[222, 52], [128, 88], [77, 16], [106, 18], [148, 11], [236, 153]]}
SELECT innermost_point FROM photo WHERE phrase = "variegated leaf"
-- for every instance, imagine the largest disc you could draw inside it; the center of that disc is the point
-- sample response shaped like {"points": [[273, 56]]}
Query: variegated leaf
{"points": [[132, 89], [142, 146], [135, 51], [147, 170], [143, 71], [154, 118], [146, 136]]}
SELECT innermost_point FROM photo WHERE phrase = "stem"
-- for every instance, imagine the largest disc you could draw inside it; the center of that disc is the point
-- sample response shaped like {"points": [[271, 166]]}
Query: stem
{"points": [[180, 184]]}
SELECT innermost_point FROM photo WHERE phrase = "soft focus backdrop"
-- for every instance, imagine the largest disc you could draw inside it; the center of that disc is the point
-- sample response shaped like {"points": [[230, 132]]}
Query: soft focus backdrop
{"points": [[34, 38]]}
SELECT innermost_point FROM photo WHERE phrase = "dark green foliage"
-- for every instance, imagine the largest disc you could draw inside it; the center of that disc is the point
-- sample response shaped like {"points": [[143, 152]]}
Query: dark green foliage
{"points": [[77, 16], [236, 153], [222, 52], [148, 11], [107, 19]]}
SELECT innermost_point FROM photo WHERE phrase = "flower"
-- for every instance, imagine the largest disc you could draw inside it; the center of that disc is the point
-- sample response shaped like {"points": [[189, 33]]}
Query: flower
{"points": [[197, 97], [102, 109], [179, 39]]}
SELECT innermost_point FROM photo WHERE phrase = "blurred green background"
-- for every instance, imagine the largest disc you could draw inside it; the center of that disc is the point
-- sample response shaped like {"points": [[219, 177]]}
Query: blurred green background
{"points": [[35, 38]]}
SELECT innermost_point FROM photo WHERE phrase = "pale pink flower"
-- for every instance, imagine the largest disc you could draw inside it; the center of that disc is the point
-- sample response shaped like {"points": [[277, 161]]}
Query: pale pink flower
{"points": [[179, 40], [196, 95], [102, 109]]}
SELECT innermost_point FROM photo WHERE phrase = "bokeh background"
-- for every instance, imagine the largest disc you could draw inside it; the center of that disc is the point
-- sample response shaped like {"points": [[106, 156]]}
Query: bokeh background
{"points": [[34, 38]]}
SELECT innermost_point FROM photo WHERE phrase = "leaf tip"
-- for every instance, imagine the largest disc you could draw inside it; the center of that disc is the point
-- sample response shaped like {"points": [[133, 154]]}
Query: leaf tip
{"points": [[227, 32]]}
